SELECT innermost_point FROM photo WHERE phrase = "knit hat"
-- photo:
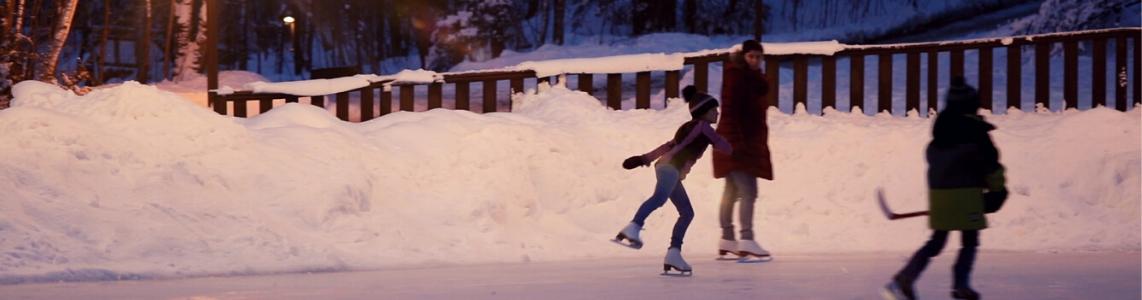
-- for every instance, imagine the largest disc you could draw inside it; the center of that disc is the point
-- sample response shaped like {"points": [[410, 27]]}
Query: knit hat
{"points": [[700, 103], [962, 98], [751, 45]]}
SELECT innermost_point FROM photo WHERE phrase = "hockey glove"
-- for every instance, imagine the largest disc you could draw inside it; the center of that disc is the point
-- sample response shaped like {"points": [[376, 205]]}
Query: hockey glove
{"points": [[992, 201], [634, 162]]}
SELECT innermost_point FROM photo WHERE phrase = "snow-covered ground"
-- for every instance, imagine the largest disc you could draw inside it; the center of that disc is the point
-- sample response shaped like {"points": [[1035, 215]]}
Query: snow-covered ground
{"points": [[137, 182]]}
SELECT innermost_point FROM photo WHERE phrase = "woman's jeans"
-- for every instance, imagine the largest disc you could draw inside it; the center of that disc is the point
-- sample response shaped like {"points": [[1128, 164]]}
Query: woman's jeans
{"points": [[669, 186], [743, 186]]}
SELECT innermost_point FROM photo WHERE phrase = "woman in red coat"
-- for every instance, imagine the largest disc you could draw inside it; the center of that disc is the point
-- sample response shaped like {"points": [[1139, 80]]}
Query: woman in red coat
{"points": [[744, 88]]}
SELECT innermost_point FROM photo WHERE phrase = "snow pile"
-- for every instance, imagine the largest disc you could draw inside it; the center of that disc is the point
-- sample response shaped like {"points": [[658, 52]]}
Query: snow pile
{"points": [[136, 182]]}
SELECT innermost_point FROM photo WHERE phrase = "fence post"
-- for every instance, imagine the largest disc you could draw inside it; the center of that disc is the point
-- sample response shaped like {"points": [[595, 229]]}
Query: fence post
{"points": [[856, 81], [386, 101], [828, 82], [773, 71], [800, 81], [884, 91], [912, 84], [1070, 74], [435, 93], [1015, 76], [462, 94], [672, 79], [933, 82], [489, 96], [615, 91], [367, 104], [1098, 73], [318, 101], [642, 90], [587, 83], [407, 97], [1043, 74], [702, 76], [985, 78], [343, 106]]}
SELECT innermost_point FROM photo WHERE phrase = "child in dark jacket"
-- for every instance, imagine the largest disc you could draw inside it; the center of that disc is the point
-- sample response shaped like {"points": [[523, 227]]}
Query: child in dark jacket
{"points": [[965, 181], [675, 157]]}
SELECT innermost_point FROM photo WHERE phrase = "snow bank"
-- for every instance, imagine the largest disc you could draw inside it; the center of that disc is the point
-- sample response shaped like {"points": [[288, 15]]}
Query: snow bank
{"points": [[135, 182]]}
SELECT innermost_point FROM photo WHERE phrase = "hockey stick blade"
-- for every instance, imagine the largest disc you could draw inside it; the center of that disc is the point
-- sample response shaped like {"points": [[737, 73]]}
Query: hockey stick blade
{"points": [[888, 212]]}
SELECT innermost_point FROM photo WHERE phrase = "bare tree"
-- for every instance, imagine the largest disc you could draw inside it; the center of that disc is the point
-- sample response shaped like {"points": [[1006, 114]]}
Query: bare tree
{"points": [[62, 28], [560, 12]]}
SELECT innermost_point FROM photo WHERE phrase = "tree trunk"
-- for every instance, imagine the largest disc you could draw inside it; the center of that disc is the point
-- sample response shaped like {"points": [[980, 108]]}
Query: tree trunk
{"points": [[558, 28], [62, 28], [689, 17], [143, 45], [103, 42], [167, 45]]}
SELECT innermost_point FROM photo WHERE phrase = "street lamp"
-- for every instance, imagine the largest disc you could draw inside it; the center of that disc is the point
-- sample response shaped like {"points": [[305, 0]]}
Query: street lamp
{"points": [[290, 21]]}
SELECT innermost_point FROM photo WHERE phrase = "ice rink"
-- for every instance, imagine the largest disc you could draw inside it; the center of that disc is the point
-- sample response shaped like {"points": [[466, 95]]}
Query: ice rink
{"points": [[1037, 276]]}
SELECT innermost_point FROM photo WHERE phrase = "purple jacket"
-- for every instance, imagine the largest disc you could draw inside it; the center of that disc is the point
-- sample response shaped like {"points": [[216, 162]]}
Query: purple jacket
{"points": [[687, 146]]}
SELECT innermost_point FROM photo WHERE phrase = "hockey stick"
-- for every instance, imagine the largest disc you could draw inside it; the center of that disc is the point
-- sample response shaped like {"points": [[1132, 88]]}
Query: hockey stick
{"points": [[888, 212]]}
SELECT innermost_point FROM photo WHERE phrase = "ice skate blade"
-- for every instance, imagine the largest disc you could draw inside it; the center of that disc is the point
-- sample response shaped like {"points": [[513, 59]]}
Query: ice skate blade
{"points": [[754, 260], [723, 258], [632, 245], [681, 273]]}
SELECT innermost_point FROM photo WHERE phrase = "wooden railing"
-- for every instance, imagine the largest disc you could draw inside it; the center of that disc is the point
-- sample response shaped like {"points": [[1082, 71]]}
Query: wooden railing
{"points": [[1041, 45]]}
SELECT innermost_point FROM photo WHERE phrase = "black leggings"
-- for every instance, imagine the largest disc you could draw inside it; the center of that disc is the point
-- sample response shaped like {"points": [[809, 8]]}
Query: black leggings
{"points": [[964, 261]]}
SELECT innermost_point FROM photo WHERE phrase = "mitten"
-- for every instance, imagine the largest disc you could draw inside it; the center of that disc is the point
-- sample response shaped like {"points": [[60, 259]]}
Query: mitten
{"points": [[633, 162], [992, 201]]}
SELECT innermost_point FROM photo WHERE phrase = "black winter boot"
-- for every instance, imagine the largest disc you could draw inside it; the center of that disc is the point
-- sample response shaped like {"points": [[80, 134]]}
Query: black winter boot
{"points": [[965, 293]]}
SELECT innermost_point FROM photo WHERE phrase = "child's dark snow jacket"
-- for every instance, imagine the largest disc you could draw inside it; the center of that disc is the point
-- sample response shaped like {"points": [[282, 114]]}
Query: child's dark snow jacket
{"points": [[962, 163]]}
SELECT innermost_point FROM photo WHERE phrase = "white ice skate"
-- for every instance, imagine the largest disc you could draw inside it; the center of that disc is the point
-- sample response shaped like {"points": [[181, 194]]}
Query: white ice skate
{"points": [[727, 247], [751, 252], [630, 236], [674, 261]]}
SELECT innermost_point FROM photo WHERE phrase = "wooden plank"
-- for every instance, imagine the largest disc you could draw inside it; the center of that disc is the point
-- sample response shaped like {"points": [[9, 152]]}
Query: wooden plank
{"points": [[829, 82], [407, 97], [1137, 70], [462, 93], [343, 106], [367, 100], [912, 85], [702, 76], [1043, 74], [884, 86], [1071, 74], [986, 61], [587, 83], [615, 91], [1098, 73], [957, 64], [490, 96], [265, 105], [856, 81], [673, 79], [435, 93], [516, 85], [318, 101], [1120, 73], [642, 90], [386, 106], [933, 81], [240, 108], [488, 75], [800, 81], [773, 72], [1015, 77]]}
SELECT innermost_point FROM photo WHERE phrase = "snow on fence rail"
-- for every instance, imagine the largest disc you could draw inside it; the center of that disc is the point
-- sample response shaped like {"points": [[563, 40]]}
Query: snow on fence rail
{"points": [[368, 87]]}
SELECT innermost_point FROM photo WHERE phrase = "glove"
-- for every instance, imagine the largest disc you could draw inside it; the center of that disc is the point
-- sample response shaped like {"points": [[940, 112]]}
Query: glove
{"points": [[992, 201], [633, 162]]}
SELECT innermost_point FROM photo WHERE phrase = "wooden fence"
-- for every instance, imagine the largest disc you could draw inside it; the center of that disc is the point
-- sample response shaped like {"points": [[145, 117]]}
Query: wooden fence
{"points": [[1041, 45]]}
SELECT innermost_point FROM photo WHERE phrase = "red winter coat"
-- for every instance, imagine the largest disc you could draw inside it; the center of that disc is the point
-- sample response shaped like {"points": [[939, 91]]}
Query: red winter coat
{"points": [[742, 122]]}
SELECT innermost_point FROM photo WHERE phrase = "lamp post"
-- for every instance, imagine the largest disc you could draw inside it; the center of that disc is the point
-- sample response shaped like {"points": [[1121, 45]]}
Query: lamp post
{"points": [[294, 44], [289, 21]]}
